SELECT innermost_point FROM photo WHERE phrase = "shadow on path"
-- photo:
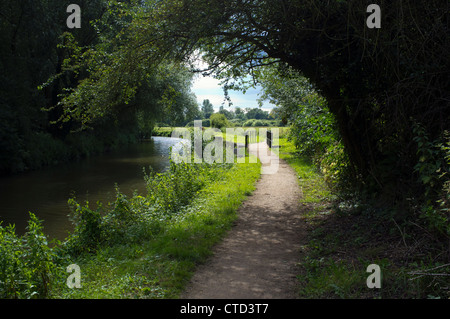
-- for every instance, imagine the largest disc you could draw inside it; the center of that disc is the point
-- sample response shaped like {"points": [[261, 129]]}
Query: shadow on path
{"points": [[257, 259]]}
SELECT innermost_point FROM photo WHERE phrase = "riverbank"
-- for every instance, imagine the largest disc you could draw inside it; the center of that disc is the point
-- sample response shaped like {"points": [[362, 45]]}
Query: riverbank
{"points": [[45, 192], [159, 267], [137, 247], [149, 246]]}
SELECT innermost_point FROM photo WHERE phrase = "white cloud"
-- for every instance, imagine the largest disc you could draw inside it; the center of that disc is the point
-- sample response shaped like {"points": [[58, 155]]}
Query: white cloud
{"points": [[210, 88], [206, 83]]}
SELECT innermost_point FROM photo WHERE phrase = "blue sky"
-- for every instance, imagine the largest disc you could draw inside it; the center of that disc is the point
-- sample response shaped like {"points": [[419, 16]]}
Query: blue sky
{"points": [[209, 88]]}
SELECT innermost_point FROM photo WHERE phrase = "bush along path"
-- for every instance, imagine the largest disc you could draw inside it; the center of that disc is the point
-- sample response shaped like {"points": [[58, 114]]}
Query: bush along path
{"points": [[259, 257]]}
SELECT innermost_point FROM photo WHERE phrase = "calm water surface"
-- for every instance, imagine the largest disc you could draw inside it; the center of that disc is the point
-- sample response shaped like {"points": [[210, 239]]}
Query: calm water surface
{"points": [[45, 192]]}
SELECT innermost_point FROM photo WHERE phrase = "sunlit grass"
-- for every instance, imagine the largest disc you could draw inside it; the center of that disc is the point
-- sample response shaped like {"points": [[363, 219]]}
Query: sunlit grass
{"points": [[161, 267], [312, 183]]}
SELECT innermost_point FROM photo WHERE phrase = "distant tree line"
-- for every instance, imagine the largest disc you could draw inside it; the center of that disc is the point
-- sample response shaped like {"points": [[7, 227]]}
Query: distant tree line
{"points": [[237, 116]]}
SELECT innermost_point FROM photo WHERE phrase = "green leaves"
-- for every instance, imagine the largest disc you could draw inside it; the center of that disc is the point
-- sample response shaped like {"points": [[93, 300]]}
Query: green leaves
{"points": [[312, 125], [27, 263], [218, 120], [433, 170], [430, 160], [137, 218]]}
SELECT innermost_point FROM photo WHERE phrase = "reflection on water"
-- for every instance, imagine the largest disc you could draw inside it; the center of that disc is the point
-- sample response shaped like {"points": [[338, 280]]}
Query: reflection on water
{"points": [[45, 192]]}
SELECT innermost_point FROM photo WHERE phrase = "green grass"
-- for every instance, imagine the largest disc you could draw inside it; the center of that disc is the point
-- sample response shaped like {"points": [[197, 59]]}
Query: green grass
{"points": [[345, 237], [259, 137], [161, 267], [311, 181]]}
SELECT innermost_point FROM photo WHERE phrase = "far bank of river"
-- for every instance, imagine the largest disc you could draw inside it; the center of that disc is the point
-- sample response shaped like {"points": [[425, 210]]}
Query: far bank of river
{"points": [[45, 192]]}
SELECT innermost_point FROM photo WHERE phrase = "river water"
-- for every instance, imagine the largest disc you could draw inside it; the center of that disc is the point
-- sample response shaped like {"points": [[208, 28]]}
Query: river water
{"points": [[45, 192]]}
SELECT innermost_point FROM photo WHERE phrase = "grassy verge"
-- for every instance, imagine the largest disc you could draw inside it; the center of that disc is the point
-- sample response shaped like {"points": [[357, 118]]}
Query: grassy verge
{"points": [[160, 266], [344, 238]]}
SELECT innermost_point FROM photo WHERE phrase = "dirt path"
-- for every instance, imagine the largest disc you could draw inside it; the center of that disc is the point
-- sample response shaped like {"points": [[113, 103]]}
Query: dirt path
{"points": [[258, 257]]}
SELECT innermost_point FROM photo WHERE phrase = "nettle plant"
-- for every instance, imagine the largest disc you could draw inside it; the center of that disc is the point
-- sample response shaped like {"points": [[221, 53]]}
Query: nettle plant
{"points": [[27, 263]]}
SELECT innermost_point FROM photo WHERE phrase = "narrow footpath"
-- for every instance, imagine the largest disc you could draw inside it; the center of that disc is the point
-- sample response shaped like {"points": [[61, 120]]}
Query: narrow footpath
{"points": [[257, 259]]}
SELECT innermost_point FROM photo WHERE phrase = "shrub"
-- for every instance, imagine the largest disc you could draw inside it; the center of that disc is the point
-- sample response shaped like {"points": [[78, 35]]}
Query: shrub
{"points": [[431, 163], [433, 169], [237, 122], [137, 218], [249, 123], [162, 131], [259, 123], [218, 120], [26, 263], [336, 170], [87, 234], [205, 123]]}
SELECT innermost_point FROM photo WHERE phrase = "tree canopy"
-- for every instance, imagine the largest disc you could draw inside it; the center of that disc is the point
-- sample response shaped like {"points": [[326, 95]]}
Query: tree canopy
{"points": [[371, 107], [377, 82], [59, 84], [207, 109], [135, 57]]}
